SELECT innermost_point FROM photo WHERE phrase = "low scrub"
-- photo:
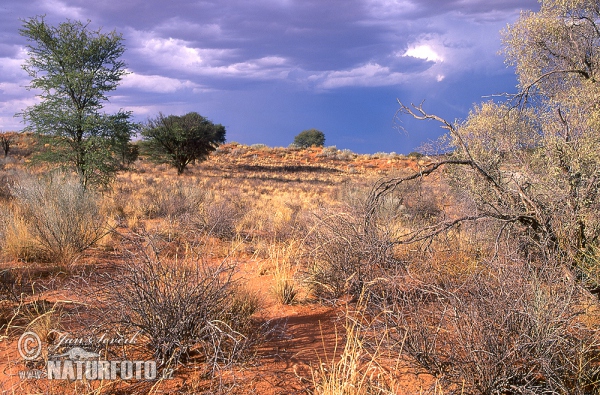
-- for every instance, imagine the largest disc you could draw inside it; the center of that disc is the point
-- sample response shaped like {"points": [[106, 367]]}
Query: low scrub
{"points": [[346, 250], [219, 218], [510, 329], [54, 218], [185, 307], [359, 369]]}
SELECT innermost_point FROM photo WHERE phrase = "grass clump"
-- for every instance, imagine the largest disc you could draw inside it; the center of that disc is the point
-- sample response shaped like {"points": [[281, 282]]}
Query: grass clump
{"points": [[358, 370], [53, 219]]}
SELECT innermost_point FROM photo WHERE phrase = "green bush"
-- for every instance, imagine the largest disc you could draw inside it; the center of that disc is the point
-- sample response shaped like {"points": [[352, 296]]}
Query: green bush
{"points": [[309, 138]]}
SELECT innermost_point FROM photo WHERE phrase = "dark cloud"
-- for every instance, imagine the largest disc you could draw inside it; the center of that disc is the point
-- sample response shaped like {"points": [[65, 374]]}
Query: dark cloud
{"points": [[486, 10], [283, 65]]}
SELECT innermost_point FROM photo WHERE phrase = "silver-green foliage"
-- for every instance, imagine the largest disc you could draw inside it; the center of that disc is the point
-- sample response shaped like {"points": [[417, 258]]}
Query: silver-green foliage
{"points": [[74, 68]]}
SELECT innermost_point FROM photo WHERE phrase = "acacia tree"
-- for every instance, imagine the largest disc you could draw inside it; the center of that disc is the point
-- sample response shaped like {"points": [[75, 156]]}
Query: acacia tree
{"points": [[181, 140], [75, 67], [310, 137], [532, 165]]}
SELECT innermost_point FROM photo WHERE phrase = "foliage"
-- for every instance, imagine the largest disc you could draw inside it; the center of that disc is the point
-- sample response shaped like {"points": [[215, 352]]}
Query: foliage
{"points": [[125, 151], [357, 370], [309, 138], [285, 289], [531, 165], [527, 173], [507, 329], [347, 251], [75, 67], [181, 140], [184, 307]]}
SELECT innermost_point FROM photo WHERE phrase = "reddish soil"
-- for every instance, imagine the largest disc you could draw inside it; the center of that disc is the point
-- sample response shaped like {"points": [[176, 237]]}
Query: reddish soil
{"points": [[303, 336], [307, 334]]}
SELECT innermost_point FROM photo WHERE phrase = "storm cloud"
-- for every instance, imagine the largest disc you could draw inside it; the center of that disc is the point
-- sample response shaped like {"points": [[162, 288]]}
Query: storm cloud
{"points": [[268, 69]]}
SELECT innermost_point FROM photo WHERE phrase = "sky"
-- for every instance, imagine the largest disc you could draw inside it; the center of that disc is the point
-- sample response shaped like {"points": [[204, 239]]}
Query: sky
{"points": [[269, 69]]}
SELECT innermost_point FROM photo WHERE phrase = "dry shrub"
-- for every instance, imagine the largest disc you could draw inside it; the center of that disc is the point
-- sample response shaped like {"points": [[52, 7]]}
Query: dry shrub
{"points": [[219, 216], [15, 237], [62, 218], [510, 329], [281, 260], [9, 285], [17, 282], [285, 289], [276, 218], [6, 183], [9, 296], [588, 268], [243, 304], [158, 199], [184, 307], [42, 317], [347, 249]]}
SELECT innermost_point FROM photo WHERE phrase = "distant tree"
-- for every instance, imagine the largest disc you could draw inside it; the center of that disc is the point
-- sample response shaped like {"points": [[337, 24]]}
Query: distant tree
{"points": [[74, 68], [181, 140], [310, 137], [6, 140], [126, 152]]}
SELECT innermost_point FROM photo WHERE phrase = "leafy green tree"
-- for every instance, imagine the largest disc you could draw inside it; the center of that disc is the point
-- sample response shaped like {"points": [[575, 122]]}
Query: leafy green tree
{"points": [[309, 138], [75, 67], [181, 140]]}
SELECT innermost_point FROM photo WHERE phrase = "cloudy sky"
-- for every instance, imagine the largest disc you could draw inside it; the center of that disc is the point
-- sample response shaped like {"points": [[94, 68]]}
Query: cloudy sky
{"points": [[268, 69]]}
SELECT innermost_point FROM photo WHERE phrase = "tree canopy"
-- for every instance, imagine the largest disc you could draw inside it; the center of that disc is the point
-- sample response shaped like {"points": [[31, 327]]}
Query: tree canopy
{"points": [[75, 68], [310, 137], [181, 140]]}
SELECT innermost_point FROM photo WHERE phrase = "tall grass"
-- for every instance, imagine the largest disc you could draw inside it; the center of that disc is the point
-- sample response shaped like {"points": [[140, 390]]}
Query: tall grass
{"points": [[58, 218], [359, 369]]}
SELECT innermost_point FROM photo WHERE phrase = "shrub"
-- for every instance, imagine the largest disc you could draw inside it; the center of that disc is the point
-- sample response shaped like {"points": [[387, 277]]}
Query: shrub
{"points": [[219, 218], [184, 307], [62, 217], [6, 182], [258, 146], [309, 138], [357, 370], [346, 251], [285, 289], [345, 154], [508, 329], [16, 239], [42, 317], [415, 155], [172, 201], [328, 152]]}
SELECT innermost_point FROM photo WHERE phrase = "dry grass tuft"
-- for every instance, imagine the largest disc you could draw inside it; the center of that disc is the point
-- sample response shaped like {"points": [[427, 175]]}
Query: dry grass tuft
{"points": [[54, 219], [359, 369]]}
